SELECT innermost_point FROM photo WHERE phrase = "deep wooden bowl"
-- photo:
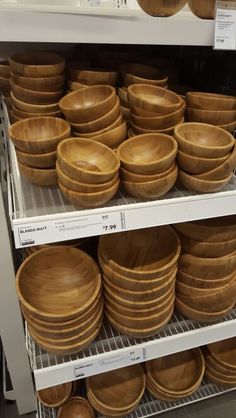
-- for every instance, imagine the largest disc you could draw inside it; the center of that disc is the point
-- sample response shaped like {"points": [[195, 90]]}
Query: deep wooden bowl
{"points": [[37, 64], [55, 396], [39, 134], [114, 137], [203, 283], [224, 353], [56, 270], [5, 69], [203, 9], [202, 186], [223, 170], [88, 104], [134, 73], [162, 8], [47, 160], [93, 76], [199, 315], [197, 165], [213, 117], [202, 140], [75, 407], [208, 268], [25, 115], [87, 161], [207, 249], [39, 176], [142, 178], [43, 84], [149, 253], [210, 101], [36, 97], [91, 135], [152, 189], [148, 154], [32, 108], [153, 99], [229, 127]]}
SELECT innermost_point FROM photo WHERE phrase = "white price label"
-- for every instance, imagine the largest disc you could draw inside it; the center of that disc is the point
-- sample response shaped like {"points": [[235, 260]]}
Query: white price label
{"points": [[225, 29]]}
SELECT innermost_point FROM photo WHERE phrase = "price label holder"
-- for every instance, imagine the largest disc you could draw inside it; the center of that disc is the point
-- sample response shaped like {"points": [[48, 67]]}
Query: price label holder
{"points": [[225, 26]]}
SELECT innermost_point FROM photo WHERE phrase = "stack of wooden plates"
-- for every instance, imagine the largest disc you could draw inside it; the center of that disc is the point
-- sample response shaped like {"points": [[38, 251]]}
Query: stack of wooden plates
{"points": [[60, 293], [139, 270], [116, 393], [206, 280], [220, 361], [175, 376]]}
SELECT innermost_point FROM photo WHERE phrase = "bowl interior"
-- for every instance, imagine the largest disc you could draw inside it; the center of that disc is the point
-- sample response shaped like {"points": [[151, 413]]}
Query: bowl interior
{"points": [[153, 94], [203, 135], [39, 129]]}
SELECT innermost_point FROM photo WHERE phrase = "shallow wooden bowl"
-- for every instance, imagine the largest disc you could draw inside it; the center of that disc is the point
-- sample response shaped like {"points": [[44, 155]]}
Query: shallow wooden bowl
{"points": [[207, 249], [162, 8], [208, 268], [203, 283], [199, 315], [114, 137], [5, 69], [87, 161], [39, 134], [202, 140], [25, 115], [149, 253], [197, 165], [88, 104], [202, 186], [39, 176], [148, 153], [93, 76], [134, 73], [203, 9], [152, 189], [218, 366], [37, 64], [153, 99], [210, 101], [56, 270], [43, 84], [47, 160], [142, 178], [225, 169], [229, 127], [32, 108], [76, 407], [159, 395], [213, 117], [36, 97], [224, 353], [55, 396]]}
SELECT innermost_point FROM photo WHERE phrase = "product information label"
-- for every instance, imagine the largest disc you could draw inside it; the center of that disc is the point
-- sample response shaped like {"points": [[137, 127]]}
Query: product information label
{"points": [[225, 26]]}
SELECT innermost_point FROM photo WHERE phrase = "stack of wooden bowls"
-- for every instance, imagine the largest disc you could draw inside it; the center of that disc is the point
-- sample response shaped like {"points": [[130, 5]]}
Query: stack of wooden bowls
{"points": [[80, 76], [76, 407], [88, 172], [220, 361], [5, 72], [59, 289], [154, 109], [202, 8], [206, 156], [215, 109], [122, 93], [37, 83], [116, 393], [139, 270], [55, 396], [175, 376], [36, 141], [148, 168], [206, 285], [162, 8]]}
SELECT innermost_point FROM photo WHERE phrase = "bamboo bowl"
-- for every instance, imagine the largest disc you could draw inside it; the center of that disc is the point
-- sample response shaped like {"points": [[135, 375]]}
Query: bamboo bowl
{"points": [[210, 101], [35, 97], [40, 176], [141, 131], [207, 249], [41, 84], [47, 160], [33, 108], [213, 117], [160, 8], [75, 407], [133, 73], [37, 64], [200, 185], [203, 283], [55, 396], [203, 9], [220, 377], [225, 169], [143, 178], [114, 137], [199, 315], [25, 115], [219, 368], [197, 165], [91, 135]]}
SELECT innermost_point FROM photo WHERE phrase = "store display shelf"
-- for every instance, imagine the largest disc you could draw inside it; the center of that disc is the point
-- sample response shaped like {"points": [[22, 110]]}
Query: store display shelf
{"points": [[112, 350]]}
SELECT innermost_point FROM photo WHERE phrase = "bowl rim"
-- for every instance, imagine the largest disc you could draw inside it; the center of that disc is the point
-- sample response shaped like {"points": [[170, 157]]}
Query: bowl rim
{"points": [[91, 88]]}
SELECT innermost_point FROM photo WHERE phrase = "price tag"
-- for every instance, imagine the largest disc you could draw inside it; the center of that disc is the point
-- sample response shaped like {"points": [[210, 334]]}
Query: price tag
{"points": [[225, 26]]}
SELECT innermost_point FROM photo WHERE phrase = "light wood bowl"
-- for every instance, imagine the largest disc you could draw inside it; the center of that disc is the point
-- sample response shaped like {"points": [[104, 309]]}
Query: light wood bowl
{"points": [[114, 137], [74, 85], [142, 178], [133, 73], [25, 115], [55, 396], [152, 189], [229, 127], [213, 117], [37, 64], [39, 176], [149, 253], [168, 131], [210, 101], [153, 99], [35, 97], [87, 161], [91, 135], [202, 140], [39, 134], [148, 153], [162, 8], [203, 9], [32, 108], [224, 353], [76, 406], [207, 249], [5, 69], [202, 186], [197, 165], [47, 160], [58, 269], [93, 76], [218, 366], [199, 315], [88, 104], [43, 84], [203, 283], [225, 169]]}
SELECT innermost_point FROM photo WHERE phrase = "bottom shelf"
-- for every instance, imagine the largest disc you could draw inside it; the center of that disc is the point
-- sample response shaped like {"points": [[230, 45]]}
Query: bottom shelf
{"points": [[150, 406]]}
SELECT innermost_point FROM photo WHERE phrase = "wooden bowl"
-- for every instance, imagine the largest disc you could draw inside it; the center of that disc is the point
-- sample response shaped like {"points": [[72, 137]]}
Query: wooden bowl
{"points": [[213, 117], [210, 101], [203, 283], [32, 108], [148, 154], [221, 377], [153, 99], [39, 176], [5, 69], [224, 353], [88, 104], [133, 73], [149, 253], [203, 9], [223, 170], [202, 186], [125, 112], [160, 8], [207, 249], [152, 189], [199, 315], [25, 115], [55, 396], [229, 127], [141, 131], [35, 97], [37, 64], [114, 137], [75, 407], [218, 366], [202, 140], [93, 76], [197, 165], [218, 381], [87, 161], [142, 178], [43, 84], [50, 267], [47, 160], [39, 134], [91, 135]]}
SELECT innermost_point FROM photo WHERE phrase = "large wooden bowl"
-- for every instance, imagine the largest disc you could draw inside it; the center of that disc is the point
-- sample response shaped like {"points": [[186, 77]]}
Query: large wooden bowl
{"points": [[203, 283], [202, 140], [199, 315], [208, 268], [114, 137], [223, 170], [37, 64], [224, 353], [203, 9], [55, 396], [76, 407], [33, 108], [24, 115], [87, 161], [143, 178], [207, 249], [43, 84], [88, 104], [149, 253], [162, 8], [202, 186], [133, 73], [210, 101], [36, 97], [93, 76], [58, 270], [39, 176], [47, 160], [197, 165], [213, 117], [212, 377]]}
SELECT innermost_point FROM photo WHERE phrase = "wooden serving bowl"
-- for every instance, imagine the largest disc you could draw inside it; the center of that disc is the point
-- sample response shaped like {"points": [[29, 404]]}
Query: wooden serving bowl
{"points": [[39, 176], [202, 140], [153, 99], [25, 115], [76, 407], [218, 381], [114, 137], [32, 108], [142, 178], [208, 268], [210, 101], [223, 170], [203, 9], [35, 97], [134, 73], [162, 8], [88, 104], [55, 396], [5, 69], [58, 269], [224, 353], [203, 283], [39, 134], [213, 117], [207, 249], [41, 84], [87, 161], [93, 76], [37, 64], [197, 165], [202, 186], [47, 160], [148, 153], [199, 315]]}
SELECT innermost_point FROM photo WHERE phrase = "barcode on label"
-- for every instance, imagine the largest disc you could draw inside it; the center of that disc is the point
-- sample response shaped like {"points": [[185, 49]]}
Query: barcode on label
{"points": [[24, 243]]}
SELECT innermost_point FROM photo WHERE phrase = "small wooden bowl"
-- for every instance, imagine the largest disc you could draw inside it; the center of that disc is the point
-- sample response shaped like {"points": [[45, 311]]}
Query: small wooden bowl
{"points": [[142, 178], [88, 104], [25, 115], [148, 154], [152, 189], [224, 353], [223, 170], [93, 76], [197, 165], [153, 99], [75, 407], [39, 176], [36, 97], [114, 137], [5, 69], [158, 8], [203, 283], [207, 249], [210, 101], [199, 315], [91, 135], [202, 186], [43, 84], [202, 140], [47, 160], [213, 117], [39, 134], [133, 73], [32, 108], [37, 64], [55, 396], [203, 9], [87, 161]]}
